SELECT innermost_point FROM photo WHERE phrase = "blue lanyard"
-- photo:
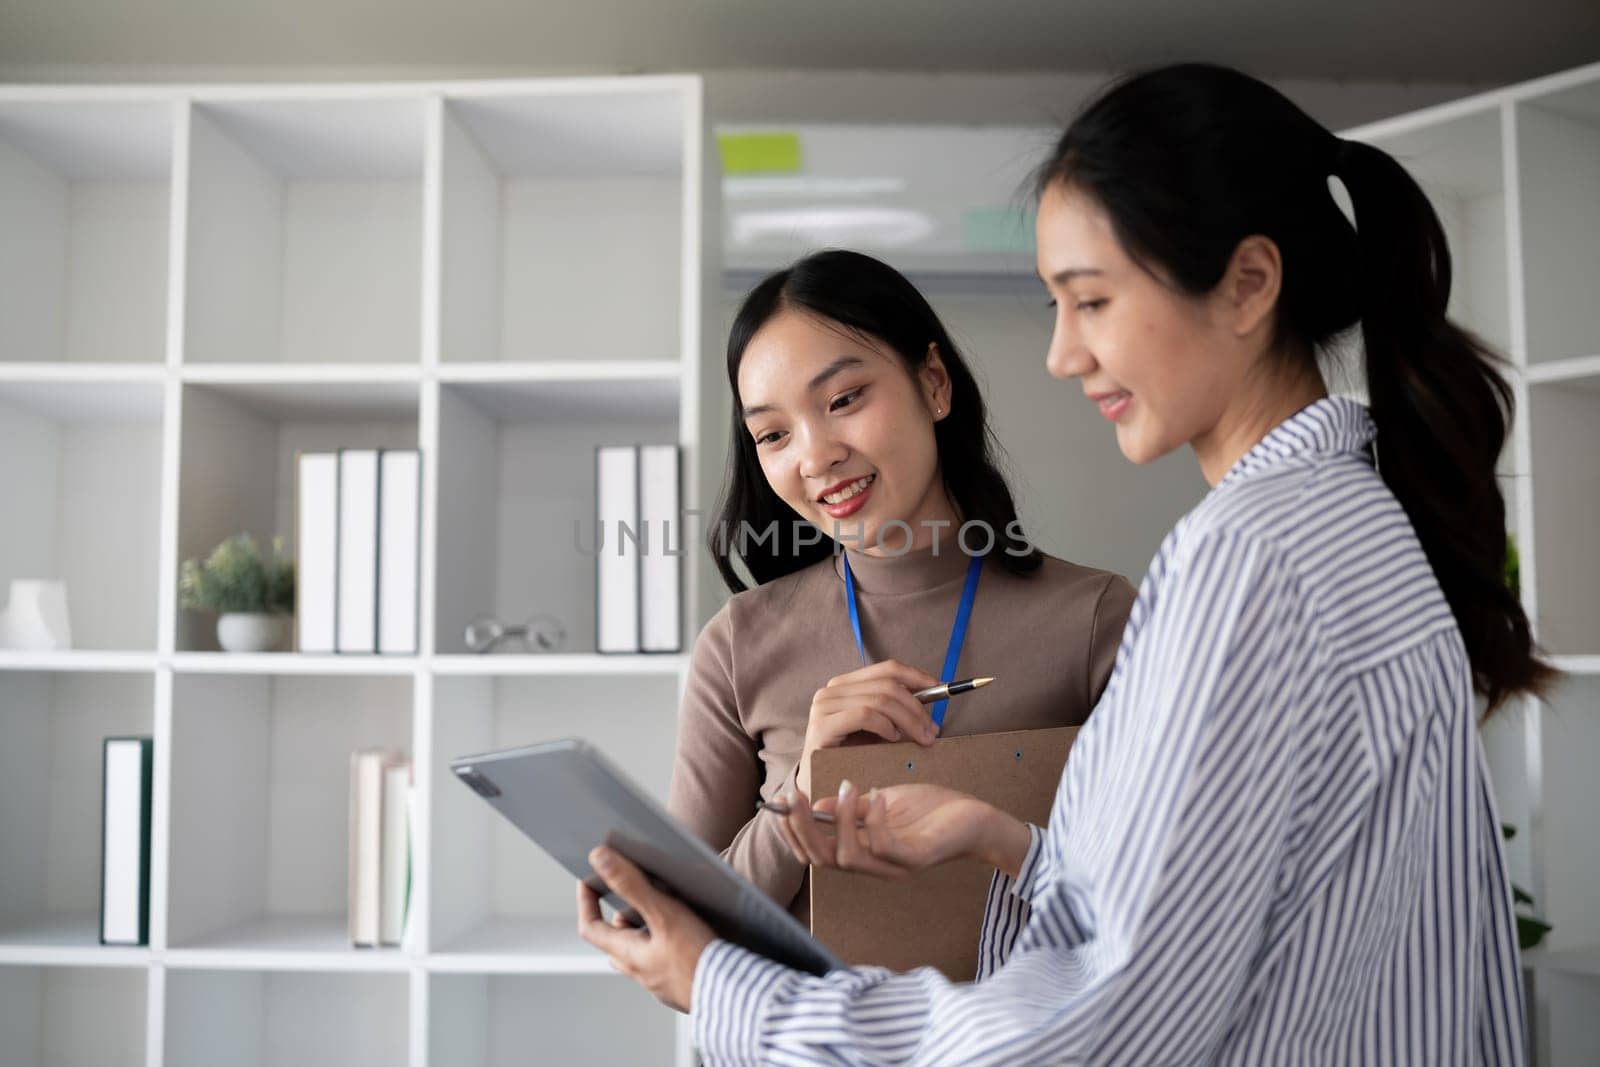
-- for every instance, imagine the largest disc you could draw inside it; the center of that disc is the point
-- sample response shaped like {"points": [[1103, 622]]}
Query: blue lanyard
{"points": [[958, 632]]}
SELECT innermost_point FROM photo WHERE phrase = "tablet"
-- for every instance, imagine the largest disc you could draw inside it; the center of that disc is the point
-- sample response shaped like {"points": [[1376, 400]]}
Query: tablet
{"points": [[569, 798]]}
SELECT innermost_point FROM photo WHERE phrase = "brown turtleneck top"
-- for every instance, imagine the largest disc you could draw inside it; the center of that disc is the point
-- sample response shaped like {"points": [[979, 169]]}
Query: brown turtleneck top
{"points": [[1049, 638]]}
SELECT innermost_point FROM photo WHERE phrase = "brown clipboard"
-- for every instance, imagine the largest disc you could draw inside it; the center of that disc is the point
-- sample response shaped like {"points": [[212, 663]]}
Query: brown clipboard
{"points": [[933, 918]]}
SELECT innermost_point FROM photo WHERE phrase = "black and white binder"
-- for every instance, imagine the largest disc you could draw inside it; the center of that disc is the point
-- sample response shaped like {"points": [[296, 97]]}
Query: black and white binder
{"points": [[399, 534], [358, 550], [660, 565], [617, 567], [127, 771], [316, 551]]}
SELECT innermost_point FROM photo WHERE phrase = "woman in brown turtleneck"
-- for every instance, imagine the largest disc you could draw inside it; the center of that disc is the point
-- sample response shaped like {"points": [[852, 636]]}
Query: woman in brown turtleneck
{"points": [[860, 435]]}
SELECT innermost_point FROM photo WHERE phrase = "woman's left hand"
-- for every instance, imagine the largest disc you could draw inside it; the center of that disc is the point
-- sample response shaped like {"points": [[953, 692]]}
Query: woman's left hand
{"points": [[663, 956], [896, 832]]}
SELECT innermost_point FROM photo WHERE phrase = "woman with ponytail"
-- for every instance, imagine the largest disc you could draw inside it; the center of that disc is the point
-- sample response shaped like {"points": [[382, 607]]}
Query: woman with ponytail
{"points": [[1275, 841]]}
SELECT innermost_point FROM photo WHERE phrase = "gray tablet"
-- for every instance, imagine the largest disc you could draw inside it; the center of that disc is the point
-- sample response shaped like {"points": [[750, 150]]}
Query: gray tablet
{"points": [[569, 798]]}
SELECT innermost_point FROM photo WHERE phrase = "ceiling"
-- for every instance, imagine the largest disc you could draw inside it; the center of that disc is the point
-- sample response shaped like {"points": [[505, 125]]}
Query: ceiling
{"points": [[1477, 42]]}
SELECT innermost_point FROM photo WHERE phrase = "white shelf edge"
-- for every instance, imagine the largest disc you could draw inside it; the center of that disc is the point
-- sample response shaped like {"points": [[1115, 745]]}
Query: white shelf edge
{"points": [[570, 370], [12, 955], [1437, 115], [558, 963], [383, 961], [290, 663], [95, 94], [1520, 93], [573, 663], [668, 663], [1577, 664], [65, 939], [79, 661], [639, 370], [1562, 370], [619, 85], [316, 92], [349, 961], [406, 91], [87, 373], [298, 373]]}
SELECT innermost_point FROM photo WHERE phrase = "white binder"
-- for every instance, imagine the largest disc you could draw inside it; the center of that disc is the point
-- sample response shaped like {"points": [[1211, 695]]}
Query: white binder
{"points": [[660, 566], [399, 534], [358, 550], [316, 551], [617, 568]]}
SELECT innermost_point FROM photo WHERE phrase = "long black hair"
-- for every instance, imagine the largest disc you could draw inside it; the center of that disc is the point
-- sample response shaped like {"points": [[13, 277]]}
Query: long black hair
{"points": [[870, 299], [1187, 161]]}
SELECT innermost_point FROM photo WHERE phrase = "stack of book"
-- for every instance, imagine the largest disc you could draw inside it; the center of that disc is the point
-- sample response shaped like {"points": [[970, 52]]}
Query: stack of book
{"points": [[357, 540], [380, 847], [641, 544]]}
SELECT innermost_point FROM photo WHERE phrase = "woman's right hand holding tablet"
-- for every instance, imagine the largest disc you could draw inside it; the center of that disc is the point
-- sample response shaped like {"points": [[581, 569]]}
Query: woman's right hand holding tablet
{"points": [[875, 699]]}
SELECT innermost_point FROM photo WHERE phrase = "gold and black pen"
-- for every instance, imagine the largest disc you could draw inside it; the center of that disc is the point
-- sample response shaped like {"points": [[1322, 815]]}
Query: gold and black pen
{"points": [[936, 693], [929, 695]]}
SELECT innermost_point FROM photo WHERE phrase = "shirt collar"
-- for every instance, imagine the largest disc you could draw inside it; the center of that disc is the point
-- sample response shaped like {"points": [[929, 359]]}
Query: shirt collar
{"points": [[1334, 424]]}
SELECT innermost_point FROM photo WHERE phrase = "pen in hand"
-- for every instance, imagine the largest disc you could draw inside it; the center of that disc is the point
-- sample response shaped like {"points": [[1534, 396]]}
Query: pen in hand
{"points": [[950, 689], [929, 695], [783, 809]]}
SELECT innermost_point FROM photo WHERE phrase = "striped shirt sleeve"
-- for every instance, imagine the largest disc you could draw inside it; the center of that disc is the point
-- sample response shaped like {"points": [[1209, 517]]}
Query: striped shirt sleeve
{"points": [[1006, 912], [1152, 909]]}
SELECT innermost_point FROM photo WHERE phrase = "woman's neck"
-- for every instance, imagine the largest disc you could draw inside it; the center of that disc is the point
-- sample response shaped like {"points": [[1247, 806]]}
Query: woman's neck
{"points": [[1274, 395], [935, 520], [906, 570]]}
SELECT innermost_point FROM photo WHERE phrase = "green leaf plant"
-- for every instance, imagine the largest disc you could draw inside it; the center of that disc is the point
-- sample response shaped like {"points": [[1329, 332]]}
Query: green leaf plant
{"points": [[235, 578]]}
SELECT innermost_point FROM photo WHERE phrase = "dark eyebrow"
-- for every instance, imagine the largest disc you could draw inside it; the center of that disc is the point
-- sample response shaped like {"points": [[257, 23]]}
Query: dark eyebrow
{"points": [[831, 369], [818, 379], [1065, 276]]}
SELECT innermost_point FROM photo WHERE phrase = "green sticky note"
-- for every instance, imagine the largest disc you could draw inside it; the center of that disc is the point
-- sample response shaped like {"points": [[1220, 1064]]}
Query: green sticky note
{"points": [[759, 153], [997, 229]]}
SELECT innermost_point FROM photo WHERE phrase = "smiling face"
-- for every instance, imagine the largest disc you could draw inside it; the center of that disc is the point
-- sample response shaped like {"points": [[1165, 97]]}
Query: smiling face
{"points": [[844, 433], [1168, 369]]}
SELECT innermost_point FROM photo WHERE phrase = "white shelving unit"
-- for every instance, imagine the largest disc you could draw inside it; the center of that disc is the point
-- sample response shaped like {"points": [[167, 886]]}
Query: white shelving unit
{"points": [[198, 282], [1515, 177]]}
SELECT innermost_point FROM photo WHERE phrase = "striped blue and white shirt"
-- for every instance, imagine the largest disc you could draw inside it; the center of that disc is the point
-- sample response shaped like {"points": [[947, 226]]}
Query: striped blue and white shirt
{"points": [[1275, 841]]}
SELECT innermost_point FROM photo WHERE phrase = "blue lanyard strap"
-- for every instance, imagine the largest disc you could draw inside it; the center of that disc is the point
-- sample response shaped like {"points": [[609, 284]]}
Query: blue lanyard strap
{"points": [[958, 632]]}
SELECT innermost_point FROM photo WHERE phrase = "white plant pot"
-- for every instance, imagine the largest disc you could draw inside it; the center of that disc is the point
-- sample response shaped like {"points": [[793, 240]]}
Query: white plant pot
{"points": [[35, 619], [240, 632]]}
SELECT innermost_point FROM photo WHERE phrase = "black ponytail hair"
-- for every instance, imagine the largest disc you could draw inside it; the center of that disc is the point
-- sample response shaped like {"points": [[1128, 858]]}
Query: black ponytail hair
{"points": [[868, 298], [1189, 160]]}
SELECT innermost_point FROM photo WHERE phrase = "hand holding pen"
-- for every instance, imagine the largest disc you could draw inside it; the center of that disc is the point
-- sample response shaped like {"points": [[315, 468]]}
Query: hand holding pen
{"points": [[887, 698], [936, 693], [923, 696]]}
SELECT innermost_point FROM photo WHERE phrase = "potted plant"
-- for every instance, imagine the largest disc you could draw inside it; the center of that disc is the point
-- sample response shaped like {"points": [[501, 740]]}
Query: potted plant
{"points": [[253, 597]]}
